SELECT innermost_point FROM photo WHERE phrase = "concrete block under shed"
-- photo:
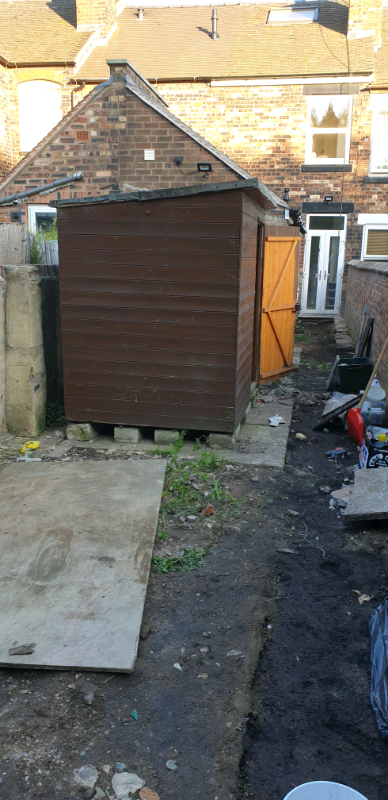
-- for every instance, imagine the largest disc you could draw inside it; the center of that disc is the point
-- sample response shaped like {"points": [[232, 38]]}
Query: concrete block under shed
{"points": [[127, 435], [369, 498], [224, 439], [162, 436], [80, 432]]}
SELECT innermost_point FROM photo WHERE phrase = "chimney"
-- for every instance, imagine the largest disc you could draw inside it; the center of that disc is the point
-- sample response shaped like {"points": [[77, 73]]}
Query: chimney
{"points": [[92, 15], [214, 24], [365, 20]]}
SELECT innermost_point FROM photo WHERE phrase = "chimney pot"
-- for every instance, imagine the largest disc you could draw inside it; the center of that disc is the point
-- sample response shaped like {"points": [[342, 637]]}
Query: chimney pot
{"points": [[214, 34]]}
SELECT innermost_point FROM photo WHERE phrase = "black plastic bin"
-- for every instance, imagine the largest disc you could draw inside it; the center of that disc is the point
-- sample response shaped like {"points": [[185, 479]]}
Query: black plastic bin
{"points": [[354, 374]]}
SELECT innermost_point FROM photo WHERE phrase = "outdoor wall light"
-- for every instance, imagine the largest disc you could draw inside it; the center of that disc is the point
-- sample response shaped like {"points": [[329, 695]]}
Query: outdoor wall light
{"points": [[178, 161], [286, 195], [329, 198], [205, 167]]}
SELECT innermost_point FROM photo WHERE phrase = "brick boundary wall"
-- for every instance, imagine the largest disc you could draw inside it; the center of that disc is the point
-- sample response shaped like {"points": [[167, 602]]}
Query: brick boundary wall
{"points": [[367, 285]]}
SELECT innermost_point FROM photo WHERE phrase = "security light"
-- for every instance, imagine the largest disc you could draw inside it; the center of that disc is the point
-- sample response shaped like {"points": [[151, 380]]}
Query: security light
{"points": [[205, 167]]}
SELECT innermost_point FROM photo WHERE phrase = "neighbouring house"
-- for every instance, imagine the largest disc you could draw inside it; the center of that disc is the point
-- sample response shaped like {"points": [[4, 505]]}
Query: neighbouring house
{"points": [[296, 94]]}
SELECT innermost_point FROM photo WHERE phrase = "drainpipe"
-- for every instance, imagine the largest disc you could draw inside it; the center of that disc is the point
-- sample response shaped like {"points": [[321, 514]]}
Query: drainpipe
{"points": [[214, 24], [76, 89]]}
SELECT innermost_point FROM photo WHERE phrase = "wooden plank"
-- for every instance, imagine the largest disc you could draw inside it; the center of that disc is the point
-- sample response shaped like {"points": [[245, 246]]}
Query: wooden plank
{"points": [[201, 273], [155, 382], [177, 419], [151, 302], [85, 393], [143, 371], [148, 410], [152, 229], [124, 344], [149, 288], [177, 332], [161, 316], [77, 261], [152, 212], [147, 243], [231, 199], [149, 356]]}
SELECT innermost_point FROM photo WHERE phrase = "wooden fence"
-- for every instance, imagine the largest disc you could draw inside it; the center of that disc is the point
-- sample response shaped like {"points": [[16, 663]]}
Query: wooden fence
{"points": [[19, 246]]}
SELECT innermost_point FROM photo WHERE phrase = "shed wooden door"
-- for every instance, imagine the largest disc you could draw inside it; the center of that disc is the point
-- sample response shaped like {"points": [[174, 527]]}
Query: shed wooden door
{"points": [[278, 305]]}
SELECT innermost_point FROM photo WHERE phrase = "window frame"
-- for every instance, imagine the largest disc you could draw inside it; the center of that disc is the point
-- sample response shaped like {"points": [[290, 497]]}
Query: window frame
{"points": [[293, 10], [33, 210], [310, 131], [379, 101], [365, 230], [49, 115]]}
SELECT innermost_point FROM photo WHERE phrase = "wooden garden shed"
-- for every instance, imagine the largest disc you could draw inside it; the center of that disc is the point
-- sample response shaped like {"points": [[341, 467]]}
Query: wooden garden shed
{"points": [[160, 297]]}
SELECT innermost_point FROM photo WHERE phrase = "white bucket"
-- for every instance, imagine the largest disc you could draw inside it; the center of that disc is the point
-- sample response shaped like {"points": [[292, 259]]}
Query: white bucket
{"points": [[375, 396], [324, 790]]}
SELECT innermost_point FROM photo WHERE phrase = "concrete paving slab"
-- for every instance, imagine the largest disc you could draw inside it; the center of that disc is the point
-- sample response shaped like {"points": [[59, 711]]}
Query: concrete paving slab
{"points": [[76, 542], [369, 498]]}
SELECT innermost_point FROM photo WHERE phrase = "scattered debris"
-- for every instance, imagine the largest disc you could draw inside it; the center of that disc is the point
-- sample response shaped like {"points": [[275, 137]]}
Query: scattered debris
{"points": [[148, 794], [341, 496], [234, 653], [378, 630], [145, 631], [276, 420], [134, 714], [170, 764], [363, 598], [87, 777], [89, 691], [119, 767], [89, 794], [22, 650], [286, 550], [203, 675], [301, 437], [177, 666], [369, 498], [324, 489], [208, 510], [29, 446], [338, 452], [126, 783], [292, 513]]}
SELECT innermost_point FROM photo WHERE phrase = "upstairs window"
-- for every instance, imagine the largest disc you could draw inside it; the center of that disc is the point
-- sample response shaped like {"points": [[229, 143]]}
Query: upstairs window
{"points": [[292, 15], [375, 243], [39, 111], [328, 129], [379, 147]]}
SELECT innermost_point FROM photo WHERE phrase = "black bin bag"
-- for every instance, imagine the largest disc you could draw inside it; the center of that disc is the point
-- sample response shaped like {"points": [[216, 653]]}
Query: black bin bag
{"points": [[378, 629]]}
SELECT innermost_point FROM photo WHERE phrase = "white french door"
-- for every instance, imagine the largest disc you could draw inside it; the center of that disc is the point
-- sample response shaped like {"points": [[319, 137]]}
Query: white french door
{"points": [[323, 265]]}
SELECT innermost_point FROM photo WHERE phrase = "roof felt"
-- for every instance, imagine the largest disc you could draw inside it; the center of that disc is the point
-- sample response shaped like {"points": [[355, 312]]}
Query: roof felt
{"points": [[253, 185], [40, 31], [175, 44]]}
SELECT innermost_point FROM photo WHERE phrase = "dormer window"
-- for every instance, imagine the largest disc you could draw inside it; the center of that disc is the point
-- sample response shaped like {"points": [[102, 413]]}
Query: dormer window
{"points": [[39, 111], [293, 15]]}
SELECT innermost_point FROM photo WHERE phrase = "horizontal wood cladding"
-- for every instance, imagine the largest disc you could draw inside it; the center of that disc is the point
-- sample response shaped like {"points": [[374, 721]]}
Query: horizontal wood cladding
{"points": [[149, 304]]}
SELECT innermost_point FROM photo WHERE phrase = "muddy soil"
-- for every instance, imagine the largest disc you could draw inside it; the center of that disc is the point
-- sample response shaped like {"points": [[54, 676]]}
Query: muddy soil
{"points": [[272, 643]]}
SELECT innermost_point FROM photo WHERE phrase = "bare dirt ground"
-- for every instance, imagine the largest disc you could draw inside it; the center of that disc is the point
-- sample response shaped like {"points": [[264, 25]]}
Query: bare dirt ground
{"points": [[271, 641]]}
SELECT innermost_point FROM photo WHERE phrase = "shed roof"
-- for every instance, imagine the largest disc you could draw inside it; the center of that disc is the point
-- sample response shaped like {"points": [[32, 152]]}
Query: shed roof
{"points": [[174, 44], [253, 186], [40, 32]]}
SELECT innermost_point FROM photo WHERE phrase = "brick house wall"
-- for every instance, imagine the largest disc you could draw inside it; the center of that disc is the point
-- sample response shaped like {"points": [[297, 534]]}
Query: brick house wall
{"points": [[367, 284], [120, 127], [96, 12], [263, 128], [5, 132]]}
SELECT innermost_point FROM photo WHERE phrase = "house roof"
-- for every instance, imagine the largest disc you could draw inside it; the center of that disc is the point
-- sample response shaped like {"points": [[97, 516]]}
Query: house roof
{"points": [[40, 32], [174, 44], [256, 189]]}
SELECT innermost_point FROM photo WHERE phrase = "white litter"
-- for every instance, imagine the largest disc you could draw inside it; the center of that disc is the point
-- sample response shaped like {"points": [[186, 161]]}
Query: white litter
{"points": [[276, 420]]}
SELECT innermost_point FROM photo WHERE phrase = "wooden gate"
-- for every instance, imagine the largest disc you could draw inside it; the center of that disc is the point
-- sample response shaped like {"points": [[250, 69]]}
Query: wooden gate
{"points": [[278, 305]]}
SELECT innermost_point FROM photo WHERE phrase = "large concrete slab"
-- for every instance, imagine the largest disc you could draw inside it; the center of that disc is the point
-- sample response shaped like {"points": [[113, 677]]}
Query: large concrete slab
{"points": [[76, 542], [369, 498]]}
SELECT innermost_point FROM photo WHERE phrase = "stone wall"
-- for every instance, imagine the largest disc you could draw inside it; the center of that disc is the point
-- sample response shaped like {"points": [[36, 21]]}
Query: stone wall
{"points": [[367, 284], [22, 366]]}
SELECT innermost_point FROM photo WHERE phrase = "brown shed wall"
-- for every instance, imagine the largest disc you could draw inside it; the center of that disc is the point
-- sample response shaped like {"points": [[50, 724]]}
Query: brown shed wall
{"points": [[150, 305]]}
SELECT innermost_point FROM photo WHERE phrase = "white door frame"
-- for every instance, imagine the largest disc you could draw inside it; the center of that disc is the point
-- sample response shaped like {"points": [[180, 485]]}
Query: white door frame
{"points": [[325, 235]]}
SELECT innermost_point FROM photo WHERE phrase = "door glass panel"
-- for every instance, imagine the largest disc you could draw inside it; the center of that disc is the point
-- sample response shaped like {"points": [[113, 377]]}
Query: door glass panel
{"points": [[313, 272], [323, 223], [332, 269]]}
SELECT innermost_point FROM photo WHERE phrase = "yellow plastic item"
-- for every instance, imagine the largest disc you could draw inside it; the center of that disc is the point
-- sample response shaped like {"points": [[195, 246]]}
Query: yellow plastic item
{"points": [[382, 437], [29, 446]]}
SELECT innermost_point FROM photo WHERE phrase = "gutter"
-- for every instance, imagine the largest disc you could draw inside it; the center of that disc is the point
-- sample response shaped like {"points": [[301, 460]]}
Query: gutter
{"points": [[42, 190]]}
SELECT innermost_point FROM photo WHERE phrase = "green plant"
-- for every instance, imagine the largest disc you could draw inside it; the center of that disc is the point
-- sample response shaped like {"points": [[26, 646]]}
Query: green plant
{"points": [[190, 559], [50, 233], [35, 250], [301, 337], [163, 534], [210, 461], [55, 415]]}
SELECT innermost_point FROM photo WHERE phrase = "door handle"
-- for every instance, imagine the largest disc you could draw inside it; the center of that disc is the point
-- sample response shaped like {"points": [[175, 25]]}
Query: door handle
{"points": [[319, 276]]}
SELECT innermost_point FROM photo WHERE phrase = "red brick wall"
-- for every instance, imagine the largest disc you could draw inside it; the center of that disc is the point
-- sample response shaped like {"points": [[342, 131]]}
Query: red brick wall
{"points": [[121, 127], [263, 128], [367, 284], [5, 133]]}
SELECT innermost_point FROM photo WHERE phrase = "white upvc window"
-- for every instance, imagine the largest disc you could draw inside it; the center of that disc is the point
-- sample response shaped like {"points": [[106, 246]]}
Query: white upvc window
{"points": [[328, 129], [40, 217], [379, 143], [39, 111], [375, 243]]}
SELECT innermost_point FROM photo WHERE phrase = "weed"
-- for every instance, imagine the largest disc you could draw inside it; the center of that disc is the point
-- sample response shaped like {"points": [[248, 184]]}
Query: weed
{"points": [[163, 534], [190, 559], [210, 461], [301, 337], [314, 365], [55, 415]]}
